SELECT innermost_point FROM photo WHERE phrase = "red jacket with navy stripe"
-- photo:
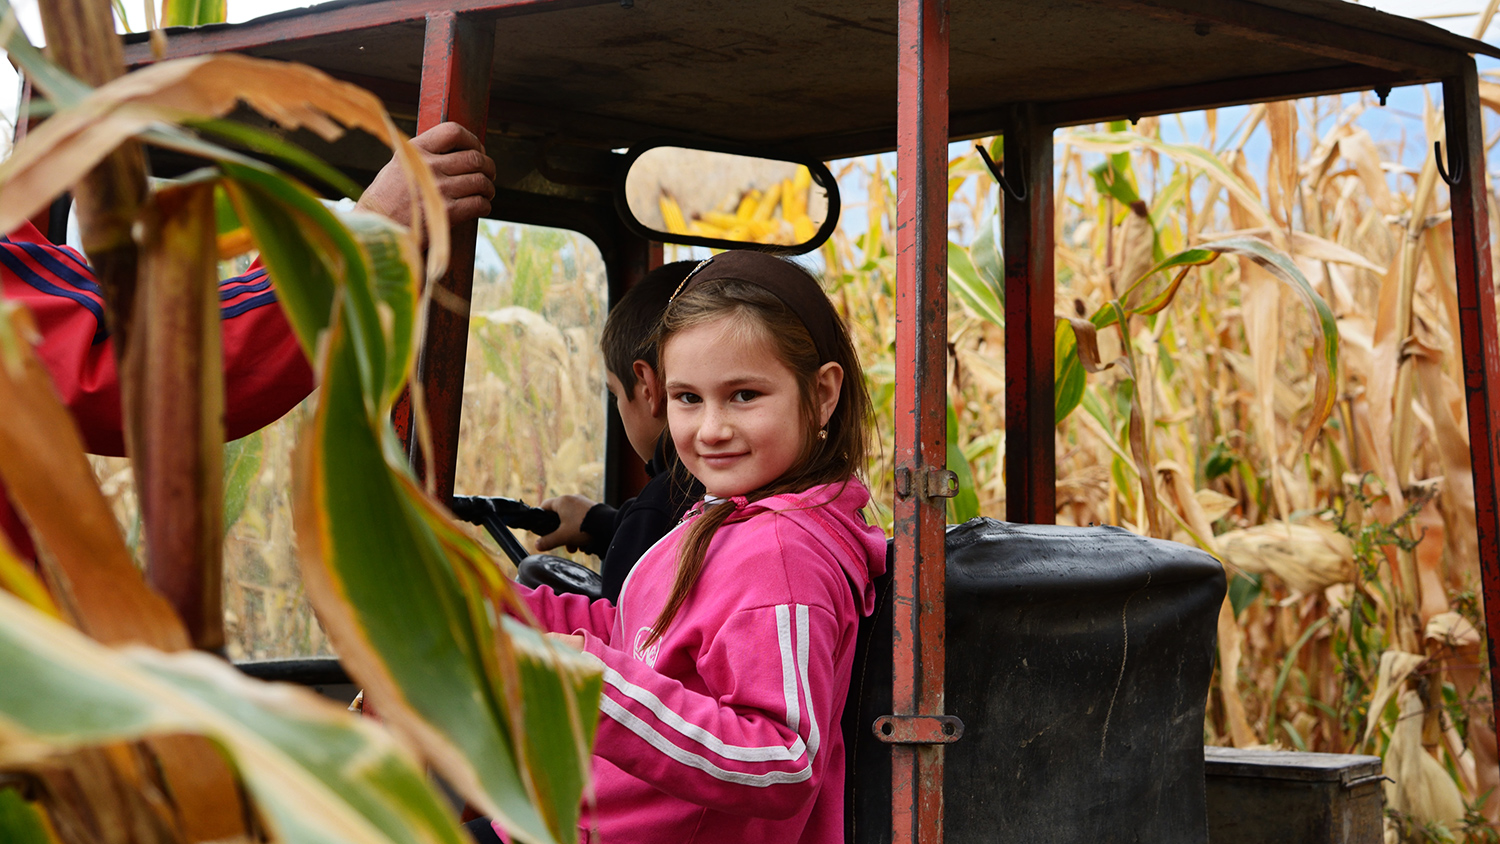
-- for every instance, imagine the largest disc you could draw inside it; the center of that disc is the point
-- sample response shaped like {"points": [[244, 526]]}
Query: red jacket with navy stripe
{"points": [[726, 729], [265, 372]]}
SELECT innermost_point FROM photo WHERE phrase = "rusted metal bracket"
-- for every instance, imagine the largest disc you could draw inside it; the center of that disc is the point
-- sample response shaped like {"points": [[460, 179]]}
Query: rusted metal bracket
{"points": [[918, 729], [1015, 192], [1452, 173], [937, 482]]}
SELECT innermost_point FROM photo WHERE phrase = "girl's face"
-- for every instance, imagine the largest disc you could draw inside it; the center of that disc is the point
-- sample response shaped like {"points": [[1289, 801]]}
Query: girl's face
{"points": [[734, 409]]}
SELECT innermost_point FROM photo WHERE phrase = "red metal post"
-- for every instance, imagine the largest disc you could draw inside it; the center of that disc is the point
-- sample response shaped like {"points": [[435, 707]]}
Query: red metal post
{"points": [[456, 64], [1477, 330], [1030, 442], [921, 404]]}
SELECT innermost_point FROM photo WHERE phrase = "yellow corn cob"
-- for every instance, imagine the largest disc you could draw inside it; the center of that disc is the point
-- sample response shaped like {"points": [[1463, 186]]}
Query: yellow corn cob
{"points": [[767, 204], [671, 214], [720, 219], [803, 229], [747, 205], [802, 180], [791, 203]]}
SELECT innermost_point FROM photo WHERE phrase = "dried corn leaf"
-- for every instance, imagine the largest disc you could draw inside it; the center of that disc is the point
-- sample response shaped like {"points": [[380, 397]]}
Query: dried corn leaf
{"points": [[59, 152], [1242, 189], [1309, 556], [1452, 630], [1231, 642], [1281, 181], [1395, 667], [1216, 505], [1420, 786], [45, 471], [1358, 148]]}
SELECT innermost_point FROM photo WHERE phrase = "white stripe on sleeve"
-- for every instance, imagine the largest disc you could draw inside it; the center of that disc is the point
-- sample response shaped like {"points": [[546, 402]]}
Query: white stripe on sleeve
{"points": [[772, 753], [802, 646], [631, 722], [788, 666]]}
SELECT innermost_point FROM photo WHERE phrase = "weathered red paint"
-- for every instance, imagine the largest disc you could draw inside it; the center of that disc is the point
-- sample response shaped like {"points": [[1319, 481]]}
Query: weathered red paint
{"points": [[1030, 441], [921, 407], [1477, 331], [455, 86], [297, 25]]}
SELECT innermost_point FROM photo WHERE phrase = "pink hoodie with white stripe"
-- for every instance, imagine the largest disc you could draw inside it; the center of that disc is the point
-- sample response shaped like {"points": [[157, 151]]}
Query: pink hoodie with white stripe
{"points": [[726, 729]]}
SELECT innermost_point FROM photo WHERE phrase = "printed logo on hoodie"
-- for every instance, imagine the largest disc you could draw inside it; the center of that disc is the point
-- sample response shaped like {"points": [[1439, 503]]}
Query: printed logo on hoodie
{"points": [[643, 653]]}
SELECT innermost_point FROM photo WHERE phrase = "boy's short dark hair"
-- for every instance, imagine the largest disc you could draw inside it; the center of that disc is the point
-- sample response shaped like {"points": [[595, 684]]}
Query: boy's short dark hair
{"points": [[631, 325]]}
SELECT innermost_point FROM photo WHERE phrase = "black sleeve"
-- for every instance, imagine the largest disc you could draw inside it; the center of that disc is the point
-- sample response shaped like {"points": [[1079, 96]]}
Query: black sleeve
{"points": [[642, 522], [641, 525], [599, 523]]}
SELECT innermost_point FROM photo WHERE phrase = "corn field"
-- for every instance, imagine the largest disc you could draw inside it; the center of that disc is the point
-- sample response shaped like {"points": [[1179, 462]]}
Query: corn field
{"points": [[1353, 622]]}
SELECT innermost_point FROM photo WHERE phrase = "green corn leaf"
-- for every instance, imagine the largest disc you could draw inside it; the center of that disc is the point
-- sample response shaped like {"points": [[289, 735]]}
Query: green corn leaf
{"points": [[1111, 182], [1122, 142], [61, 87], [1184, 259], [279, 150], [318, 775], [987, 258], [226, 219], [283, 220], [1326, 358], [22, 822], [242, 459], [1068, 376], [979, 295], [391, 591], [193, 12], [408, 598], [965, 505]]}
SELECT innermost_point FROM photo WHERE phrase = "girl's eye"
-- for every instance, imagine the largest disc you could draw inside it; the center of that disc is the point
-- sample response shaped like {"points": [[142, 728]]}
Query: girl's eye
{"points": [[688, 398], [745, 395]]}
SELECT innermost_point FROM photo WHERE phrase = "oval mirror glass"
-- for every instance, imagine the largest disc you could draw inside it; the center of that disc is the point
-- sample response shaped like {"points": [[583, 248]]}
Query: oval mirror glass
{"points": [[702, 197]]}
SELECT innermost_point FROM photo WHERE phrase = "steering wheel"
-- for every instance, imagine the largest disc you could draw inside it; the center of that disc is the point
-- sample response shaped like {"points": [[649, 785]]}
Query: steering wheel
{"points": [[499, 515]]}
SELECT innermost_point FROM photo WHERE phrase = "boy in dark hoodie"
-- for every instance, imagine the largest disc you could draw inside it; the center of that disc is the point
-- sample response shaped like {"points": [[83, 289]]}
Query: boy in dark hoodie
{"points": [[620, 536]]}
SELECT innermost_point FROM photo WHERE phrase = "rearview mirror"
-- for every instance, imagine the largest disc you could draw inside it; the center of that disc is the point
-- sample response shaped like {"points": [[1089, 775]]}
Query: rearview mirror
{"points": [[727, 199]]}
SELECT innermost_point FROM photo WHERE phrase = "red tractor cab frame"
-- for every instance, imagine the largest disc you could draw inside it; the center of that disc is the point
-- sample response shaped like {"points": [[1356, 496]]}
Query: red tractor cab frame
{"points": [[555, 86]]}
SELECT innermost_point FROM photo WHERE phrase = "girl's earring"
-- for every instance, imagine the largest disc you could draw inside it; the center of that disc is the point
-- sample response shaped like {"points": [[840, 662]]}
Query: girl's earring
{"points": [[822, 434]]}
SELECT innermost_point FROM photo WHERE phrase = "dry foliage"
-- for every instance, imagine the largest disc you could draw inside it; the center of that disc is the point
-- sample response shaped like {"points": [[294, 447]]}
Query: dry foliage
{"points": [[1349, 558]]}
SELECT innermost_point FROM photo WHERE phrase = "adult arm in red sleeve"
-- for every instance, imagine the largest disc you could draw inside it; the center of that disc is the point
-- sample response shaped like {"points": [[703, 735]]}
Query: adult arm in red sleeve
{"points": [[265, 372]]}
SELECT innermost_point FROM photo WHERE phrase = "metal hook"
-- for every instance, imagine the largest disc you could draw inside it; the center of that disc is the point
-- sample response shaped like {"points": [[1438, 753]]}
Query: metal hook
{"points": [[1382, 93], [1018, 194], [1454, 171]]}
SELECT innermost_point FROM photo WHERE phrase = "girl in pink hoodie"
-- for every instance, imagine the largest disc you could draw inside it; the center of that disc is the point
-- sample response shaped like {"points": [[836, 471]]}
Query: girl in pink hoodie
{"points": [[727, 659]]}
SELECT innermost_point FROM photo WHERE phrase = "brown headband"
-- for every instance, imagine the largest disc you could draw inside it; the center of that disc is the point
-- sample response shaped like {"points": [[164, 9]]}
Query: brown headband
{"points": [[784, 280]]}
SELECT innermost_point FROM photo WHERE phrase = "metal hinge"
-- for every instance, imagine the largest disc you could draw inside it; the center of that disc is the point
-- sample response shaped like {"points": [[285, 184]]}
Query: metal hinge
{"points": [[918, 729], [937, 482]]}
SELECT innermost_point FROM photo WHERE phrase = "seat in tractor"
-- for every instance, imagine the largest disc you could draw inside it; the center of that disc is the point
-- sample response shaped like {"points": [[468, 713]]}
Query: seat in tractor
{"points": [[1079, 661]]}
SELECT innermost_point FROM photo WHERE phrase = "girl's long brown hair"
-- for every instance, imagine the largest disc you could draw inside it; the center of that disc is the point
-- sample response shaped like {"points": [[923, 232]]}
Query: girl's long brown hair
{"points": [[841, 456]]}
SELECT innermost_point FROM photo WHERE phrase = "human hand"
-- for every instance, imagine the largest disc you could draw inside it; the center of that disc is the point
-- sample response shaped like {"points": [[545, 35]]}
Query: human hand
{"points": [[570, 509], [465, 177], [566, 640]]}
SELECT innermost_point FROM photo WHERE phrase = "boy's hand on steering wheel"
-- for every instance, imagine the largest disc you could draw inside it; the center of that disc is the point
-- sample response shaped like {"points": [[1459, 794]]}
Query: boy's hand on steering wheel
{"points": [[571, 509]]}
